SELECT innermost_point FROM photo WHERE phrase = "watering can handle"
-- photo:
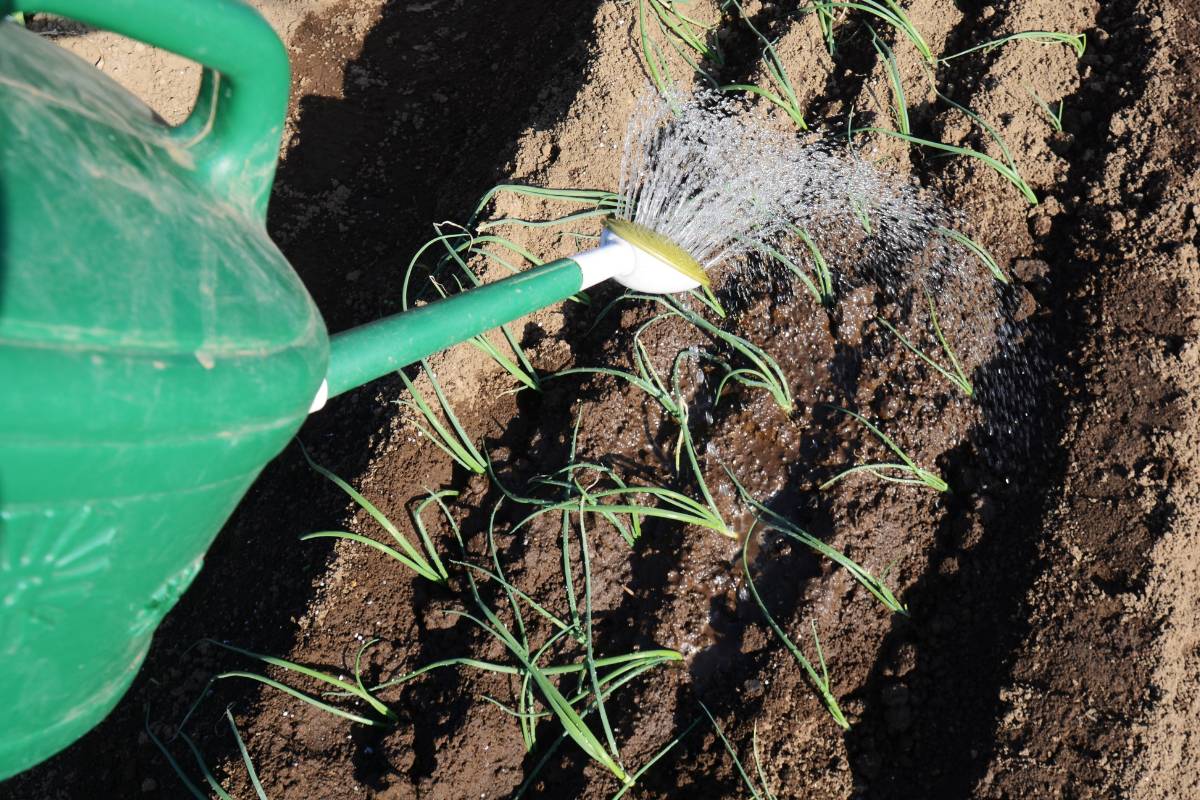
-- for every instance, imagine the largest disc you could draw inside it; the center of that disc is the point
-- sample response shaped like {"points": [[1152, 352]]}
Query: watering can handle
{"points": [[233, 133]]}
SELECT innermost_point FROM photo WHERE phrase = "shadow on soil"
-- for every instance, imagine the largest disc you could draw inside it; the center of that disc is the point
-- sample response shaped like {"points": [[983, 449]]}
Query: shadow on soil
{"points": [[932, 702]]}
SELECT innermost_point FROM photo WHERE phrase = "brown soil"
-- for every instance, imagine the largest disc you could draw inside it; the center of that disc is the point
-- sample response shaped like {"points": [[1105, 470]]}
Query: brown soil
{"points": [[1051, 648]]}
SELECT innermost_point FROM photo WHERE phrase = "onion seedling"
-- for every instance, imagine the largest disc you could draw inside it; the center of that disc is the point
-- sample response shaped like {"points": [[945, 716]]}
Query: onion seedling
{"points": [[593, 685], [824, 11], [824, 275], [820, 680], [668, 747], [890, 12], [784, 93], [386, 717], [978, 250], [599, 202], [1007, 167], [474, 239], [885, 471], [523, 372], [187, 782], [253, 774], [690, 31], [564, 479], [766, 372], [1000, 143], [458, 244], [762, 778], [1054, 117], [428, 566], [955, 374], [765, 793], [861, 213], [675, 28], [1076, 41], [673, 505], [893, 73], [456, 444], [631, 532], [880, 590], [1006, 170], [618, 679], [211, 779], [569, 486], [820, 283], [709, 301], [656, 62]]}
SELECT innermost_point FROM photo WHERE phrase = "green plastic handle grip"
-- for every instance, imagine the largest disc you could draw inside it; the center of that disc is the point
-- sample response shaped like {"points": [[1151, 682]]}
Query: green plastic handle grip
{"points": [[234, 131]]}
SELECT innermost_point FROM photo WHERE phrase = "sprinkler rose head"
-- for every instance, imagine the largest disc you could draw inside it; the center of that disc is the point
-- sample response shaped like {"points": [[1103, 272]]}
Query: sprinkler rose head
{"points": [[640, 259], [655, 252]]}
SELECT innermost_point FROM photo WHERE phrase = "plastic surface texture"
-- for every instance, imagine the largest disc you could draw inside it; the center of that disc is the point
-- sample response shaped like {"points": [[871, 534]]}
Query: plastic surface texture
{"points": [[156, 350]]}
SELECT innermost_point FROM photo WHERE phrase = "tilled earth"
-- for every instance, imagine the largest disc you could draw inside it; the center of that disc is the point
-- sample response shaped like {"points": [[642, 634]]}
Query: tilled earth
{"points": [[1051, 646]]}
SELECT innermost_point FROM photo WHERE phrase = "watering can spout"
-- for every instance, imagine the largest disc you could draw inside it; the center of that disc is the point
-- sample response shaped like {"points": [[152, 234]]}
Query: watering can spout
{"points": [[632, 255]]}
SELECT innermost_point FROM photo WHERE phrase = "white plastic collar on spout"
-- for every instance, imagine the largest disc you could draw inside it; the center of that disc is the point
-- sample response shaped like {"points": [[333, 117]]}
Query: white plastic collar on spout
{"points": [[631, 267], [608, 260]]}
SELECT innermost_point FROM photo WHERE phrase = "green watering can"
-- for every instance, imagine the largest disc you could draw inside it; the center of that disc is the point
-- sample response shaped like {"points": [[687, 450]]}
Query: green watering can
{"points": [[157, 350]]}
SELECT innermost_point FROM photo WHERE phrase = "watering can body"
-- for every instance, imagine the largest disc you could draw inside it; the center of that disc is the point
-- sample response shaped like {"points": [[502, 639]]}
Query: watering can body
{"points": [[156, 350]]}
